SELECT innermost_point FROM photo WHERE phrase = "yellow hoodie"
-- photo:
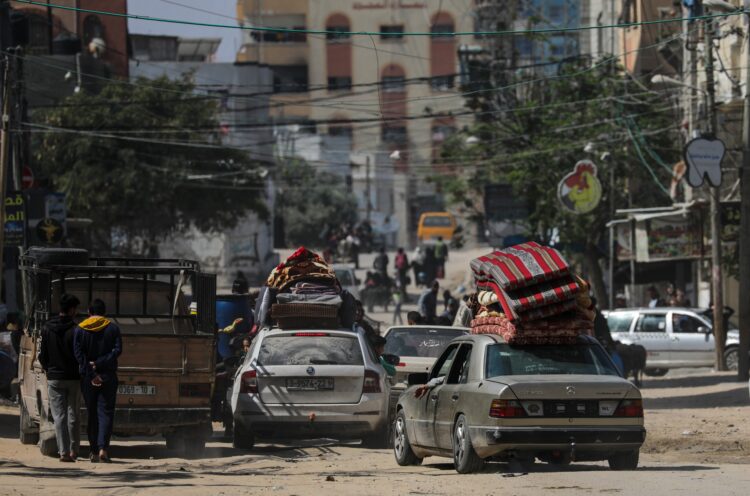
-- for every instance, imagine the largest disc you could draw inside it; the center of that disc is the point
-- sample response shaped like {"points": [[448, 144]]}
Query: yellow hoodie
{"points": [[94, 324]]}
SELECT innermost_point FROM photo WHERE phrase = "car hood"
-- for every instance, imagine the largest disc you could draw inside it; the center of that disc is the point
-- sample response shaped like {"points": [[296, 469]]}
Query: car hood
{"points": [[573, 386]]}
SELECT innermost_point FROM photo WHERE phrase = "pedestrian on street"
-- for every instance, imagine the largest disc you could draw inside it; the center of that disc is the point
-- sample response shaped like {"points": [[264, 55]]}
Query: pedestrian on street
{"points": [[428, 303], [654, 300], [397, 301], [381, 263], [378, 345], [58, 360], [417, 265], [402, 268], [97, 345], [413, 318], [441, 256]]}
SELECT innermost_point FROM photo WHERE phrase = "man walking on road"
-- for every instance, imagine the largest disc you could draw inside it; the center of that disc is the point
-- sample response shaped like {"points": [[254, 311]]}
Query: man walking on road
{"points": [[428, 303], [441, 256], [381, 263], [63, 380], [97, 346], [402, 266]]}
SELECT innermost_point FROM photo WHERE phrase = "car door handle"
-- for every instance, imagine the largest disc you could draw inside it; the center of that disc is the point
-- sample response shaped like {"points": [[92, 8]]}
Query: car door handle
{"points": [[434, 397], [454, 397]]}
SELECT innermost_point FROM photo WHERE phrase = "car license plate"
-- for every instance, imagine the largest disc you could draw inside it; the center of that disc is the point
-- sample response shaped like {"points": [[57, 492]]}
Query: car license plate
{"points": [[131, 389], [310, 384]]}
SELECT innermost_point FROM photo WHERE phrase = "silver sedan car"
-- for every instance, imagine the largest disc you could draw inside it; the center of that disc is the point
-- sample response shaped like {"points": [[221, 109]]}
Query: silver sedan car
{"points": [[310, 384], [486, 399]]}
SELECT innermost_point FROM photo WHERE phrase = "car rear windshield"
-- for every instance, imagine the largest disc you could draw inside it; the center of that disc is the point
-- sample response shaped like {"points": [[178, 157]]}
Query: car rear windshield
{"points": [[437, 221], [504, 359], [426, 343], [310, 349]]}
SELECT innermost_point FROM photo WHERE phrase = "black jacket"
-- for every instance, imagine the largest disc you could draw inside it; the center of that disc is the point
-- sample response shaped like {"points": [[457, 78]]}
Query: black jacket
{"points": [[97, 339], [56, 350]]}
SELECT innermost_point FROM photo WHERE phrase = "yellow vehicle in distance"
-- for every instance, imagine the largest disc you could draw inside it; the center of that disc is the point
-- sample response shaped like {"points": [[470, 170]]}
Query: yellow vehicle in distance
{"points": [[434, 225]]}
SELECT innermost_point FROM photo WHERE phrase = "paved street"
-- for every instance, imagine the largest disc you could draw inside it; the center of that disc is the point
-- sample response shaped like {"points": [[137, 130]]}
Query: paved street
{"points": [[698, 443]]}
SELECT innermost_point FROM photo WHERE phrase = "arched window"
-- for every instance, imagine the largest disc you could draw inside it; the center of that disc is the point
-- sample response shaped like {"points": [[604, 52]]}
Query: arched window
{"points": [[442, 52], [338, 52]]}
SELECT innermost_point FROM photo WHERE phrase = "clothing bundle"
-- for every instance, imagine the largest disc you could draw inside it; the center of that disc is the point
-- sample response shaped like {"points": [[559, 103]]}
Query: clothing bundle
{"points": [[529, 296], [302, 293]]}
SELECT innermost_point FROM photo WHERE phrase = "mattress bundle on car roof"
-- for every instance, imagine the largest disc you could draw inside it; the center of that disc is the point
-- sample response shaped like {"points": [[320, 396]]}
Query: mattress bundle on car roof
{"points": [[303, 293], [529, 295]]}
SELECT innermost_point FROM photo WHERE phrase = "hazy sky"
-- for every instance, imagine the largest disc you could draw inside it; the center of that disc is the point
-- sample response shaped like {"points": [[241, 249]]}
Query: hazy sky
{"points": [[213, 11]]}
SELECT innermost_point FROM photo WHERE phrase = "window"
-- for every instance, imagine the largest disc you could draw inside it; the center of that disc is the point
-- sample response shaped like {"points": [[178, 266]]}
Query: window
{"points": [[442, 30], [620, 321], [395, 135], [281, 36], [289, 79], [337, 33], [392, 32], [423, 343], [443, 365], [442, 83], [310, 350], [441, 133], [588, 359], [394, 84], [686, 323], [340, 83], [342, 131], [651, 323], [460, 370]]}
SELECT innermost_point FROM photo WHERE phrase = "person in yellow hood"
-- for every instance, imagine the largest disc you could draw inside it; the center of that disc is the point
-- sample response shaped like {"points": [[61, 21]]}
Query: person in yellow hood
{"points": [[97, 344]]}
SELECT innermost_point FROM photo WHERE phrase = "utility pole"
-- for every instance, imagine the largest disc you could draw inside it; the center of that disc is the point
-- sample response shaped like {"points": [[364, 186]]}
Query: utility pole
{"points": [[743, 370], [4, 155], [367, 188], [717, 283]]}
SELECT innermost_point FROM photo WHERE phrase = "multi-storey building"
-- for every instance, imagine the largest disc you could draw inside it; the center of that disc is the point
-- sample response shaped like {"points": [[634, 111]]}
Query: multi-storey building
{"points": [[373, 107]]}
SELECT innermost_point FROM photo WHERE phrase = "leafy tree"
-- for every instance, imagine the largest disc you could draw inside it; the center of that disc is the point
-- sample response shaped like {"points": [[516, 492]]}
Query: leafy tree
{"points": [[157, 177], [309, 201], [536, 133]]}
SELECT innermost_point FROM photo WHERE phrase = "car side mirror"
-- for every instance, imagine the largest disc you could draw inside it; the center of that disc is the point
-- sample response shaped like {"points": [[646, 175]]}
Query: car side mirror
{"points": [[417, 379], [391, 359], [704, 329]]}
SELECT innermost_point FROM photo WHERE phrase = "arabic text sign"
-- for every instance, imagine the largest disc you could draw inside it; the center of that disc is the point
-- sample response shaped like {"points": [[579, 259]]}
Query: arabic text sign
{"points": [[15, 219]]}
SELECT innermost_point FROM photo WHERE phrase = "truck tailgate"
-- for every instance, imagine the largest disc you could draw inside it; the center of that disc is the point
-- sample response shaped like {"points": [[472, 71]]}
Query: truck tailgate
{"points": [[166, 370]]}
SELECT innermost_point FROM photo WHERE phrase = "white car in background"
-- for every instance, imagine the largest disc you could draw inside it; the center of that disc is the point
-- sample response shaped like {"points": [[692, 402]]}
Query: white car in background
{"points": [[673, 337], [417, 347], [348, 279], [310, 384]]}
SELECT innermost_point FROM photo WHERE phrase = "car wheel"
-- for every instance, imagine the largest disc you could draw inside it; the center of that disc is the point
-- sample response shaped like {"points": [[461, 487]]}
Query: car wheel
{"points": [[465, 459], [401, 445], [28, 432], [47, 438], [655, 372], [732, 358], [242, 438], [624, 461]]}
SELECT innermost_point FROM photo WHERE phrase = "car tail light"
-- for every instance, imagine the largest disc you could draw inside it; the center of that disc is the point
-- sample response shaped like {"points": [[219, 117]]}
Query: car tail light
{"points": [[311, 334], [371, 383], [401, 364], [249, 382], [630, 408], [195, 390], [506, 408]]}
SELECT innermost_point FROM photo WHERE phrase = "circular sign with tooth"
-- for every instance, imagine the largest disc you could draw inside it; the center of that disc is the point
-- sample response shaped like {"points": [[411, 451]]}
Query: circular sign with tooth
{"points": [[703, 157], [580, 191]]}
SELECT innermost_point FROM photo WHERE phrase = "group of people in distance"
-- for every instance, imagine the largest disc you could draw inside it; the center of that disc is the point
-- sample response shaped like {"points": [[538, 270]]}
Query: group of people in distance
{"points": [[81, 360]]}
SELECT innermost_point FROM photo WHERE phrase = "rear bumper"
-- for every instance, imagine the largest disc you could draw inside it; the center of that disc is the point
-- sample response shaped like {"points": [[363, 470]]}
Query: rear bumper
{"points": [[149, 421], [313, 420], [491, 441]]}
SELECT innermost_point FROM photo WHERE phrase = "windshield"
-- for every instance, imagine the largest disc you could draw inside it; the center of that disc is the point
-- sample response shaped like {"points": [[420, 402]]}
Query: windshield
{"points": [[437, 221], [589, 359], [345, 277], [425, 343], [310, 349]]}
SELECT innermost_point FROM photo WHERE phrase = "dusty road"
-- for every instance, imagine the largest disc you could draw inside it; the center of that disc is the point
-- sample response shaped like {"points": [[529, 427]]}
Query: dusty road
{"points": [[699, 443]]}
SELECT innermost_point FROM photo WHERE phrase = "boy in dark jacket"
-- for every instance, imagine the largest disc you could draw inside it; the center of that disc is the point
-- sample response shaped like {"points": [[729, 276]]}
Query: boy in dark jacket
{"points": [[97, 345], [63, 381]]}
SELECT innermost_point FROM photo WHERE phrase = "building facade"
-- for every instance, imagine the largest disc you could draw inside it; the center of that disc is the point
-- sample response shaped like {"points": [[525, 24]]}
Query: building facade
{"points": [[375, 108]]}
